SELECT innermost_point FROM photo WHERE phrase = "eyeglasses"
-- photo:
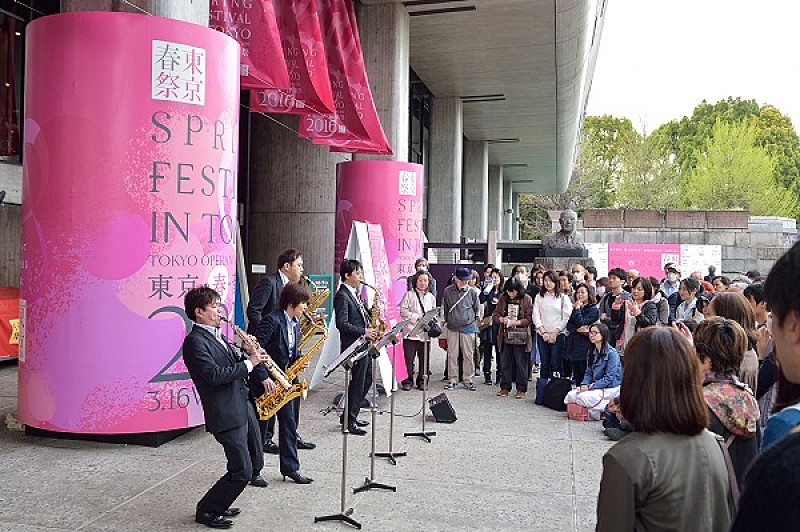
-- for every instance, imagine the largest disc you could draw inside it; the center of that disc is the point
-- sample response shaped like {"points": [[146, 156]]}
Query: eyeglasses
{"points": [[592, 333]]}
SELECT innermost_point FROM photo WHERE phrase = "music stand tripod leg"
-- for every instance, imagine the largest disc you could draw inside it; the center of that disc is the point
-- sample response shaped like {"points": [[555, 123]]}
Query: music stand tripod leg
{"points": [[369, 482], [391, 455], [424, 434], [344, 514]]}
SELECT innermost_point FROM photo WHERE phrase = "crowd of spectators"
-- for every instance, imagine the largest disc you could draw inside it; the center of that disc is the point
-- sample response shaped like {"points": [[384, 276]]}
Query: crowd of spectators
{"points": [[698, 377]]}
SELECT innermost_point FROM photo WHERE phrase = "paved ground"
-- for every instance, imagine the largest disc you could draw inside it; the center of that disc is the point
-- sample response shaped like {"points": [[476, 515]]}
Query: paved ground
{"points": [[505, 464]]}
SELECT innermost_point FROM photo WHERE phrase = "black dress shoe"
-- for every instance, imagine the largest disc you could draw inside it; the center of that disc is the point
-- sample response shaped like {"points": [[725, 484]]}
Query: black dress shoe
{"points": [[258, 481], [231, 512], [271, 447], [355, 429], [298, 478], [361, 423], [213, 520], [303, 444]]}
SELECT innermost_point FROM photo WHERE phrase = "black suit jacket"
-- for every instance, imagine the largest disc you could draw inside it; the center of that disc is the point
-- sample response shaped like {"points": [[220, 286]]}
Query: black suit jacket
{"points": [[349, 319], [263, 300], [273, 336], [219, 377]]}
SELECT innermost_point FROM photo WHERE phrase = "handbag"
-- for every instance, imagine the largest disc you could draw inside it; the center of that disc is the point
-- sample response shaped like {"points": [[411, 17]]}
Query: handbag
{"points": [[434, 329], [485, 323], [515, 336]]}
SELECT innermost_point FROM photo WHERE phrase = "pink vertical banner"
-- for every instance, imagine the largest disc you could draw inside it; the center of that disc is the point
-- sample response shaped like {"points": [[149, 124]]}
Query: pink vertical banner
{"points": [[252, 23], [129, 201], [388, 193], [375, 141], [346, 122], [649, 259], [390, 313], [301, 38]]}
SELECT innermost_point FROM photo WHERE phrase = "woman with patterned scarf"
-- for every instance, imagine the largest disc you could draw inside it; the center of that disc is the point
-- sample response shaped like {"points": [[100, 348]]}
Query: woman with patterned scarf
{"points": [[733, 411]]}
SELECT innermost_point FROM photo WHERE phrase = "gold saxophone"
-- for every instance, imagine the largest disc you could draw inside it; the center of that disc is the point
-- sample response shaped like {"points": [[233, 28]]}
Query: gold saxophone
{"points": [[268, 404], [250, 340], [375, 321]]}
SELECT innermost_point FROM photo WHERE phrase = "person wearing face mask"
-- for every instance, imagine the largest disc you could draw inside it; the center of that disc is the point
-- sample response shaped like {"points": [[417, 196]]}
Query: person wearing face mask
{"points": [[671, 286]]}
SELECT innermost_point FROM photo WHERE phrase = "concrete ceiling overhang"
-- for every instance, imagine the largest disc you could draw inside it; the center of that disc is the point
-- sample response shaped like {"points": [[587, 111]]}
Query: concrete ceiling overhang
{"points": [[538, 54]]}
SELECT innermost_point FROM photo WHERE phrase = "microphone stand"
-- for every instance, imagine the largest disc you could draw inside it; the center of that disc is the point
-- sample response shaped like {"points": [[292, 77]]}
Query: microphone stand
{"points": [[392, 455], [344, 513], [425, 435], [369, 482]]}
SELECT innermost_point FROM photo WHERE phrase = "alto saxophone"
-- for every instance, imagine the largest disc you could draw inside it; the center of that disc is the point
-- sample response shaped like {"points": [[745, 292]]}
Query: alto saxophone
{"points": [[250, 340], [375, 321], [268, 404]]}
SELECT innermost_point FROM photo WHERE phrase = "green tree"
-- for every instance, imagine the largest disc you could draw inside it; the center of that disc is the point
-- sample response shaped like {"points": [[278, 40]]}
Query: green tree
{"points": [[776, 134], [604, 144], [734, 172]]}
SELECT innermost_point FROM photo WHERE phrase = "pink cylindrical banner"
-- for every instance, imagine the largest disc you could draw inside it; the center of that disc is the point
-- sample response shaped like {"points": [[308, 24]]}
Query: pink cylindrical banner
{"points": [[388, 193], [130, 145]]}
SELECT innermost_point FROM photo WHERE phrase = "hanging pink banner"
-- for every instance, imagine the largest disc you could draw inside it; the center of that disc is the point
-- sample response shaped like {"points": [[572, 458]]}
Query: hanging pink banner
{"points": [[649, 259], [126, 206], [346, 122], [388, 193], [301, 39], [252, 23], [375, 141]]}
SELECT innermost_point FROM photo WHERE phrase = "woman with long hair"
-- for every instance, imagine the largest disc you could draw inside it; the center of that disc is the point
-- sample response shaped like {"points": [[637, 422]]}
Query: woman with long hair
{"points": [[584, 313], [669, 473], [551, 312], [513, 313], [488, 336], [602, 377], [415, 303], [735, 307], [720, 344]]}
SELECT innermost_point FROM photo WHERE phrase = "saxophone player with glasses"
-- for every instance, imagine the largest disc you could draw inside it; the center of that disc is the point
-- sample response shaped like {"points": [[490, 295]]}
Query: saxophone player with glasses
{"points": [[279, 334], [353, 322]]}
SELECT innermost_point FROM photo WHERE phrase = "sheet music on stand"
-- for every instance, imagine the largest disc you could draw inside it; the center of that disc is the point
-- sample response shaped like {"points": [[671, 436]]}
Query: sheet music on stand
{"points": [[387, 338], [355, 352], [424, 322]]}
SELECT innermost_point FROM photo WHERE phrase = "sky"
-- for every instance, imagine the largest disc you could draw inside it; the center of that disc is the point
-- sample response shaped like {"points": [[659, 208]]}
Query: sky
{"points": [[659, 59]]}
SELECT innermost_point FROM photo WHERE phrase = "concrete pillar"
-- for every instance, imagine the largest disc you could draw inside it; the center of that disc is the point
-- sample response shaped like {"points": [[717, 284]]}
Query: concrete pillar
{"points": [[495, 203], [508, 204], [444, 174], [384, 32], [475, 192], [292, 195], [195, 11], [516, 222]]}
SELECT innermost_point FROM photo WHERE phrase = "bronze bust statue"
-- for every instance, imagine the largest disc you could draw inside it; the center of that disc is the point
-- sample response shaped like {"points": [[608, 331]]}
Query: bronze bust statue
{"points": [[567, 237]]}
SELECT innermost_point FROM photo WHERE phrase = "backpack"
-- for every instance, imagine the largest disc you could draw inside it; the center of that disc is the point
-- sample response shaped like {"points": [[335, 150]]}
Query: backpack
{"points": [[554, 393]]}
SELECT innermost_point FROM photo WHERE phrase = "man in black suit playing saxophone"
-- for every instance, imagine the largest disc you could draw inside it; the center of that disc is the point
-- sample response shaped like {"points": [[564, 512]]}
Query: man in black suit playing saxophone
{"points": [[352, 320], [263, 301], [220, 377]]}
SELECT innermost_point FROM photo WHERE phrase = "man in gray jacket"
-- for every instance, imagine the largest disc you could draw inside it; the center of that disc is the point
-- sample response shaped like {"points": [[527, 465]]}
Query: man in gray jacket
{"points": [[461, 308]]}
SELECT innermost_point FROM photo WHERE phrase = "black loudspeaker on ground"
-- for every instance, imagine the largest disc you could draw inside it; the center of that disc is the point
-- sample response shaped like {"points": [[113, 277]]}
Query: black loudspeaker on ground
{"points": [[441, 409]]}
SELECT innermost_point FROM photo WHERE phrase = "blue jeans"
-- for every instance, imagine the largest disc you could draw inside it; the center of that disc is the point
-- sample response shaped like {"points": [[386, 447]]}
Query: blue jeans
{"points": [[550, 355]]}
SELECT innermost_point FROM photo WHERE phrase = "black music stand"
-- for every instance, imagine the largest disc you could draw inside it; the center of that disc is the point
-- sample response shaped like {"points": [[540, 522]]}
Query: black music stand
{"points": [[374, 352], [391, 455], [423, 326], [349, 356]]}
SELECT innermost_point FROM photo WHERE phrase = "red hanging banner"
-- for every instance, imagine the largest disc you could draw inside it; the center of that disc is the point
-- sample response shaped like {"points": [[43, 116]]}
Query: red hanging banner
{"points": [[301, 37], [252, 23], [345, 123], [374, 141]]}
